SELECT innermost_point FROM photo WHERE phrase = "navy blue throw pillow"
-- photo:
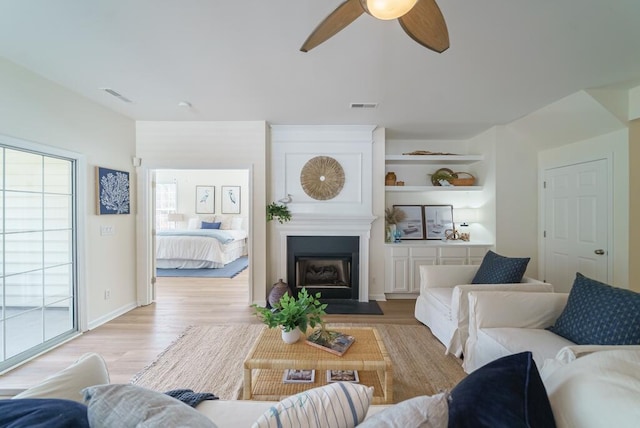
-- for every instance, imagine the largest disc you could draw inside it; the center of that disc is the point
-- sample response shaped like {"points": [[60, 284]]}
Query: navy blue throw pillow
{"points": [[497, 269], [507, 392], [208, 225], [599, 314], [43, 413]]}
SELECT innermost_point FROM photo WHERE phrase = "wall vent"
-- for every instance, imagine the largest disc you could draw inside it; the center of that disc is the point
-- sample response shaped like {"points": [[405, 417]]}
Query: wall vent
{"points": [[116, 94], [364, 105]]}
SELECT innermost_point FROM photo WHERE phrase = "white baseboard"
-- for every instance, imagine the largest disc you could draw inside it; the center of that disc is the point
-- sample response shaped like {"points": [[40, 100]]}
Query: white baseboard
{"points": [[405, 296], [112, 315], [378, 297]]}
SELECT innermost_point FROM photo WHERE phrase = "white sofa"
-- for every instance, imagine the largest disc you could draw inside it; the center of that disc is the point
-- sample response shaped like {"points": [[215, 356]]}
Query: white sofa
{"points": [[509, 322], [443, 303]]}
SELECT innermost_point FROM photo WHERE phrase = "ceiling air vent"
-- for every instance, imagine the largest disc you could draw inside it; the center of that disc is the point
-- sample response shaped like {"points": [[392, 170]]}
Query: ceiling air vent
{"points": [[364, 105], [116, 94]]}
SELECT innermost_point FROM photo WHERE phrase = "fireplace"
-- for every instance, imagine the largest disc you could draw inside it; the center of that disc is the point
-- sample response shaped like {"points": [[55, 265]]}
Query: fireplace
{"points": [[328, 264]]}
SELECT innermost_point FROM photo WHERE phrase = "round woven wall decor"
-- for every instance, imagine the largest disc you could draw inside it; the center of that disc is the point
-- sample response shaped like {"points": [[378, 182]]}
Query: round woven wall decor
{"points": [[322, 178]]}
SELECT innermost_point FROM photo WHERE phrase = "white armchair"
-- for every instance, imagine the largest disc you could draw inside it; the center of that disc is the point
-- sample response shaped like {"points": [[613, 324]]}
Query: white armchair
{"points": [[443, 301]]}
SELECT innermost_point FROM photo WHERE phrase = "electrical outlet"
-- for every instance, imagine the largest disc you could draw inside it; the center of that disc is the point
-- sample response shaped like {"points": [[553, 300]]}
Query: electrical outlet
{"points": [[107, 294], [107, 230]]}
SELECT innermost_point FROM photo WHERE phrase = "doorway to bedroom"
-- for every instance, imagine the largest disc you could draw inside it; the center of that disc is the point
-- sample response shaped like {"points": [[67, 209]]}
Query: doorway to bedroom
{"points": [[201, 220]]}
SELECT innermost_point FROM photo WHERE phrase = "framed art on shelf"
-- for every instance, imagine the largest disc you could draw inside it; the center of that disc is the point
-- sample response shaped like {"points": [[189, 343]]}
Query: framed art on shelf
{"points": [[439, 220], [112, 191], [412, 227], [230, 199], [205, 199]]}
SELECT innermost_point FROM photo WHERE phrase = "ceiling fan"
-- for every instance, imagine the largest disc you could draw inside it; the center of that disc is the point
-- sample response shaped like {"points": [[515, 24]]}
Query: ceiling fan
{"points": [[420, 19]]}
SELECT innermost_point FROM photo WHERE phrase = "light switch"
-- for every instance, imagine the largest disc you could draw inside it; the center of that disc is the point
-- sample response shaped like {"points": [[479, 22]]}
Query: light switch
{"points": [[107, 230]]}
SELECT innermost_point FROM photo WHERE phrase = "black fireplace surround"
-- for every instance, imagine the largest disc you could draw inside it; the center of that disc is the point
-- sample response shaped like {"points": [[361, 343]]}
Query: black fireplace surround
{"points": [[328, 264]]}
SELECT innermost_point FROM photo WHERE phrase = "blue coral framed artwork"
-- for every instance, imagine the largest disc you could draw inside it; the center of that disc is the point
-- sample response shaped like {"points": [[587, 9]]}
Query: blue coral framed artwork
{"points": [[113, 191]]}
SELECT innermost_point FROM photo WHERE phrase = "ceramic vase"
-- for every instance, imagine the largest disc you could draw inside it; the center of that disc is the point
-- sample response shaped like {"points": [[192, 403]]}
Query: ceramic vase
{"points": [[290, 337], [279, 289]]}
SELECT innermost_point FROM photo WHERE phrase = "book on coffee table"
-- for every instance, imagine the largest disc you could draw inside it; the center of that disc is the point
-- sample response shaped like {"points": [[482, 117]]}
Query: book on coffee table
{"points": [[299, 376], [331, 341], [343, 376]]}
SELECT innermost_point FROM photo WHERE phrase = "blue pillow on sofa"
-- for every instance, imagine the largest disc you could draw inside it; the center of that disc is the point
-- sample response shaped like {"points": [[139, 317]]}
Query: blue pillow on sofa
{"points": [[599, 314], [43, 412], [209, 225], [497, 269], [506, 393]]}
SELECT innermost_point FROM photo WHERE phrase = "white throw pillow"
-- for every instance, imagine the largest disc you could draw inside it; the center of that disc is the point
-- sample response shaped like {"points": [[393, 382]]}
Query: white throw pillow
{"points": [[134, 406], [424, 412], [225, 222], [194, 223], [598, 390], [236, 223], [339, 405], [90, 369]]}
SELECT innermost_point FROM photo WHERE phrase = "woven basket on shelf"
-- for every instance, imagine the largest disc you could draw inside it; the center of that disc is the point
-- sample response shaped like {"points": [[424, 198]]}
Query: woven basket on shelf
{"points": [[462, 179]]}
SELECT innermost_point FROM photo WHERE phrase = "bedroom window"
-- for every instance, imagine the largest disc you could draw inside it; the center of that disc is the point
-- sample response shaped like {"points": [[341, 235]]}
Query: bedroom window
{"points": [[166, 203], [38, 288]]}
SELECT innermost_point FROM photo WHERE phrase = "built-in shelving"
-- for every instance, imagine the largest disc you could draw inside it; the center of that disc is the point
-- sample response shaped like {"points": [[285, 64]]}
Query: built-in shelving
{"points": [[432, 188], [432, 159]]}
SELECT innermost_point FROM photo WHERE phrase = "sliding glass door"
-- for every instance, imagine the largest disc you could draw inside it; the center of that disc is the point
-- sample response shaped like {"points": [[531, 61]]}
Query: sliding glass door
{"points": [[38, 289]]}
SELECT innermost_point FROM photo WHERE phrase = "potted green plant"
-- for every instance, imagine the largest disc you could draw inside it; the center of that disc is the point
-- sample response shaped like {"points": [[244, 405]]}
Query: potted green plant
{"points": [[293, 314], [278, 212]]}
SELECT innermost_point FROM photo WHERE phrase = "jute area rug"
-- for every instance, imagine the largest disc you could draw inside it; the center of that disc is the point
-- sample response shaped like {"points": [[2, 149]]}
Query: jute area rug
{"points": [[209, 359]]}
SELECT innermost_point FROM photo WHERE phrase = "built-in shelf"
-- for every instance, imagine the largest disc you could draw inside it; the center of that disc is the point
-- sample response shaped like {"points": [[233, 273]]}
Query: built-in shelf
{"points": [[432, 159], [432, 188]]}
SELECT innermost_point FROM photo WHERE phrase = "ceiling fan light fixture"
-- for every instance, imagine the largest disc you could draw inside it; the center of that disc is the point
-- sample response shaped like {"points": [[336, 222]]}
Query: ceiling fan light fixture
{"points": [[388, 9]]}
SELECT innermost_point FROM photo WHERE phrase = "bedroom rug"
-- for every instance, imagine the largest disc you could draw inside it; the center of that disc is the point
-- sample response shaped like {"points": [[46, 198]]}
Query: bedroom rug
{"points": [[209, 359], [227, 271]]}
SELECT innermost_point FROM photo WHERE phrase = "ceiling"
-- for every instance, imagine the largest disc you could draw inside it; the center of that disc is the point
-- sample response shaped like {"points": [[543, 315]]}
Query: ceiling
{"points": [[240, 60]]}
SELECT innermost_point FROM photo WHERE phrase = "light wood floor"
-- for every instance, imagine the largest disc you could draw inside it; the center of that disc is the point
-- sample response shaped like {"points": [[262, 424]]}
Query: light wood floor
{"points": [[134, 340]]}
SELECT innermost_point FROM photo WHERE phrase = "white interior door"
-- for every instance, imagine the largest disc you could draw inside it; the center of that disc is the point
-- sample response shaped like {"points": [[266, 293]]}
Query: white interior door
{"points": [[576, 223]]}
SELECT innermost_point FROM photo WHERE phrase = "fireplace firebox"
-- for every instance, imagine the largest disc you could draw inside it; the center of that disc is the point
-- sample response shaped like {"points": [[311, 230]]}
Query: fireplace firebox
{"points": [[328, 264]]}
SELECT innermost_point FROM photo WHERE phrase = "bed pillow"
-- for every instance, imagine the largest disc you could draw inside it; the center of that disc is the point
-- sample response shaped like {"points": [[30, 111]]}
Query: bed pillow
{"points": [[236, 223], [225, 220], [194, 223], [43, 412], [599, 314], [497, 269], [90, 369], [339, 404], [207, 225], [134, 406], [507, 392]]}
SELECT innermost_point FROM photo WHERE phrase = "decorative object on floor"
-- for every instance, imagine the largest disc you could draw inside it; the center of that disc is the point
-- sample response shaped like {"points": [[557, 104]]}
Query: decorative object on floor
{"points": [[230, 199], [422, 20], [322, 178], [192, 362], [293, 315], [205, 199], [412, 226], [278, 212], [229, 270], [439, 219], [277, 291], [112, 191]]}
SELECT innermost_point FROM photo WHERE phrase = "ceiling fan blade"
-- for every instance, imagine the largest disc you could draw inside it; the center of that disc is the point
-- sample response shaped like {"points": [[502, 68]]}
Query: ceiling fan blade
{"points": [[342, 16], [425, 24]]}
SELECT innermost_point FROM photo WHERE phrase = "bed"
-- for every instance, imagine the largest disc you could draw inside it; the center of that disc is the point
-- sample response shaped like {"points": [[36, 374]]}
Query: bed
{"points": [[199, 248]]}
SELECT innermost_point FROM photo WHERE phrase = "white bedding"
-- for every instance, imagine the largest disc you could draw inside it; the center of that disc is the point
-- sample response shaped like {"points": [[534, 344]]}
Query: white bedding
{"points": [[197, 252]]}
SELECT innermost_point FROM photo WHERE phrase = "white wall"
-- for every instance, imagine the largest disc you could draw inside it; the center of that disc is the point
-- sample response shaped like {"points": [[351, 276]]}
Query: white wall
{"points": [[187, 180], [209, 145], [35, 109]]}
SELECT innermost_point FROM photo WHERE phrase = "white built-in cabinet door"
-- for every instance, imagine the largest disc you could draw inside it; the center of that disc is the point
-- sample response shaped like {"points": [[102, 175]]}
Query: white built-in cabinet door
{"points": [[402, 262]]}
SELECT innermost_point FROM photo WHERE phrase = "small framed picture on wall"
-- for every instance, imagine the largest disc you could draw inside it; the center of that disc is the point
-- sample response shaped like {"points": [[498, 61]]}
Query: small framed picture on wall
{"points": [[230, 199], [112, 191], [205, 199]]}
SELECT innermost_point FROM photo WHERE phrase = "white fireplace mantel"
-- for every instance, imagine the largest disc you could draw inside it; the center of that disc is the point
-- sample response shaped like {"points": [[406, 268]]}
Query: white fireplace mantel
{"points": [[313, 225]]}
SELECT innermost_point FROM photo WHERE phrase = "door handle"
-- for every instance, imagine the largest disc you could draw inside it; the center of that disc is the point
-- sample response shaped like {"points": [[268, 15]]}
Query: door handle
{"points": [[599, 252]]}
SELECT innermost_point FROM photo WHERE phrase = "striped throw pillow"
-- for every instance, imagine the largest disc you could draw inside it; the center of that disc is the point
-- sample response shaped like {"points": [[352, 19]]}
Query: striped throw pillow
{"points": [[339, 405]]}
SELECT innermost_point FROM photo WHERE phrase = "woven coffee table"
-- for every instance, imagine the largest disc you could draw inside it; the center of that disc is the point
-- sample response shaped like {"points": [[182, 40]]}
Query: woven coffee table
{"points": [[270, 357]]}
